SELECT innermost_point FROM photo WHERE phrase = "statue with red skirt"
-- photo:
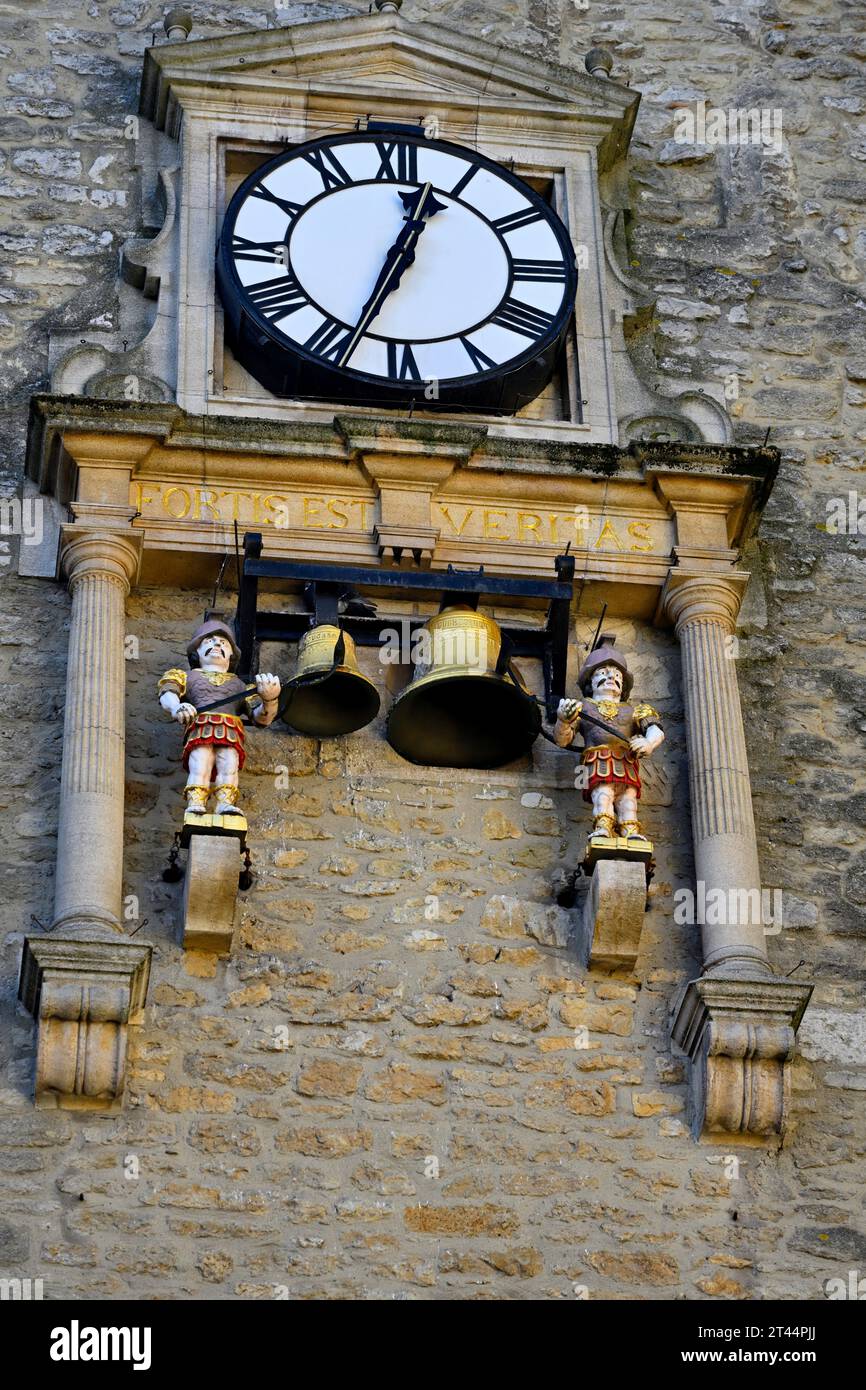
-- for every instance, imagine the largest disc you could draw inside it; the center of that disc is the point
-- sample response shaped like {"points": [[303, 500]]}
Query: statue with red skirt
{"points": [[213, 745], [611, 755]]}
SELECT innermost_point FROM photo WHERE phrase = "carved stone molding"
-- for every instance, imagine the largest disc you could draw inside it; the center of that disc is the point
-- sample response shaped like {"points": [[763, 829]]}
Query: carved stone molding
{"points": [[83, 995], [406, 545], [739, 1036]]}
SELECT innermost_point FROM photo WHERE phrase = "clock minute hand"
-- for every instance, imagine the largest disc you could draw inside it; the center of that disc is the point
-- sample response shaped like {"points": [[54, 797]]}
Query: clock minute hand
{"points": [[419, 206]]}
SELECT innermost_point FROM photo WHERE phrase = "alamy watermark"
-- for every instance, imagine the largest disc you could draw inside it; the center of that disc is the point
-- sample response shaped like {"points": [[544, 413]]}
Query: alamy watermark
{"points": [[21, 1290], [852, 1287], [846, 516], [461, 646], [741, 907], [738, 125], [24, 517]]}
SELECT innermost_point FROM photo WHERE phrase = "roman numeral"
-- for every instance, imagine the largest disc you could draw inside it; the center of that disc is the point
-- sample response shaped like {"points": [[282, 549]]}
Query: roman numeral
{"points": [[480, 360], [277, 298], [273, 252], [461, 183], [523, 318], [290, 209], [329, 340], [513, 220], [407, 162], [408, 369], [334, 176], [539, 270]]}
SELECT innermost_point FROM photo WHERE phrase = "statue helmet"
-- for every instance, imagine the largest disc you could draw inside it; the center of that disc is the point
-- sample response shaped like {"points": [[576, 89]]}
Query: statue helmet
{"points": [[605, 653], [213, 625]]}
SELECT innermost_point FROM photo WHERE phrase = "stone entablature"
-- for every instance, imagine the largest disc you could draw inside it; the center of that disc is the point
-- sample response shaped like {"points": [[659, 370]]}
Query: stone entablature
{"points": [[355, 488]]}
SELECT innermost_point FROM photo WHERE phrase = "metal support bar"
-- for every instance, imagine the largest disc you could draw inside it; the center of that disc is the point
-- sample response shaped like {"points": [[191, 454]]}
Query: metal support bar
{"points": [[248, 599], [324, 586], [407, 581], [555, 661]]}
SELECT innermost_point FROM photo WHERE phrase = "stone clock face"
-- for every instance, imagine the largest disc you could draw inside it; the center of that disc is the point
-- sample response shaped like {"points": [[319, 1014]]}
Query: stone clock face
{"points": [[384, 268]]}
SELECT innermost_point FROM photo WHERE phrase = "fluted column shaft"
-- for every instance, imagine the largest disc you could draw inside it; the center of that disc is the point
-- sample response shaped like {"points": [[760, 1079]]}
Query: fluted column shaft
{"points": [[100, 565], [704, 608]]}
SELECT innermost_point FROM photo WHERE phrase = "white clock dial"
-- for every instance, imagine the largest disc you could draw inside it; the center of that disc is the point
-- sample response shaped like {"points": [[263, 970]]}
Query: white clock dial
{"points": [[397, 260]]}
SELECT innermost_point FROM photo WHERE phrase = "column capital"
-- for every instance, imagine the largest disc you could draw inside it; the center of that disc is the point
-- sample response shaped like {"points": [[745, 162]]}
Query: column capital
{"points": [[698, 595], [112, 552]]}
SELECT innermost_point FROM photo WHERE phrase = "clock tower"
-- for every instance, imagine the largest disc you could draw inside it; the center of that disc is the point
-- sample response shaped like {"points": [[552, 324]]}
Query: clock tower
{"points": [[381, 355]]}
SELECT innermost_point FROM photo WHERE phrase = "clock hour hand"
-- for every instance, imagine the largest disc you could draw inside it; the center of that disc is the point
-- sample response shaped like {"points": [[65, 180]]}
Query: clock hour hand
{"points": [[419, 204]]}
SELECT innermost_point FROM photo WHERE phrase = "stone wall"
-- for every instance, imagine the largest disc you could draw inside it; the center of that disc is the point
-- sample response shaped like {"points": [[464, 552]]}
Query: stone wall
{"points": [[381, 1094]]}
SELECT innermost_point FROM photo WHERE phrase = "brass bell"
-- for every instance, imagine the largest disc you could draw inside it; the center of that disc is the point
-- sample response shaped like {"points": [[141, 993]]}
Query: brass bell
{"points": [[328, 695], [462, 709]]}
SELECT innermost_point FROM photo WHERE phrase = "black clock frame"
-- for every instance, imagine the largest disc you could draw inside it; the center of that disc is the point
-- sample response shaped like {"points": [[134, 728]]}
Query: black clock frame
{"points": [[290, 370]]}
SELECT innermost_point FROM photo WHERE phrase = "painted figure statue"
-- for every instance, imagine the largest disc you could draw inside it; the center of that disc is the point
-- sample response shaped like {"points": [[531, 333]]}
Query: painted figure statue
{"points": [[613, 764], [213, 746]]}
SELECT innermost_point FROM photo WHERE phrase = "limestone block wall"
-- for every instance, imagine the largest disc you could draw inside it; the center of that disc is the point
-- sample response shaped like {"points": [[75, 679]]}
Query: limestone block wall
{"points": [[370, 1099]]}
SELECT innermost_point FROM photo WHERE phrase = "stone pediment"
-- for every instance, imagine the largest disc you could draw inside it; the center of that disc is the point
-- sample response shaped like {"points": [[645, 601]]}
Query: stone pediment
{"points": [[387, 52]]}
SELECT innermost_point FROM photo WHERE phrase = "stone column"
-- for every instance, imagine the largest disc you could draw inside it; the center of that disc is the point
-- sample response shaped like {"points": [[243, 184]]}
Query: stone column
{"points": [[85, 982], [704, 608], [100, 566], [737, 1023]]}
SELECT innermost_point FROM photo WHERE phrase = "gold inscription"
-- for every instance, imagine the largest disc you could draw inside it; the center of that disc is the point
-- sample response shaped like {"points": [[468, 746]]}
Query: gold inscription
{"points": [[585, 530], [304, 511]]}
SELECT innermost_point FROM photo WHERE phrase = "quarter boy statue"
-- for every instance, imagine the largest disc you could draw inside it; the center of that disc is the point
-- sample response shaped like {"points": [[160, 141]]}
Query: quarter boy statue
{"points": [[213, 746], [613, 784]]}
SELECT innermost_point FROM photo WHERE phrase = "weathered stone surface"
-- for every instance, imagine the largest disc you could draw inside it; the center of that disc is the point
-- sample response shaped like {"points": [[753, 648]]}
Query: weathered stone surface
{"points": [[486, 1220], [322, 1078], [650, 1270]]}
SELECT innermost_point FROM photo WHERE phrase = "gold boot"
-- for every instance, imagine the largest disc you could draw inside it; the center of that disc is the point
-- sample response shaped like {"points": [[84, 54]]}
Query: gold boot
{"points": [[630, 830], [602, 827], [196, 799], [227, 797]]}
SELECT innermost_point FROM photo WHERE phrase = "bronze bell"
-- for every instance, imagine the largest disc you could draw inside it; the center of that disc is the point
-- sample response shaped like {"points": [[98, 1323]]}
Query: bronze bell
{"points": [[461, 709], [328, 695]]}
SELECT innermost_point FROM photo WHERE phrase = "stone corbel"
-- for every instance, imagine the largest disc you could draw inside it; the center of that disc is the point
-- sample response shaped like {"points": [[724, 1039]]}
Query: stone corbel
{"points": [[211, 889], [408, 462], [613, 914], [739, 1036], [84, 995]]}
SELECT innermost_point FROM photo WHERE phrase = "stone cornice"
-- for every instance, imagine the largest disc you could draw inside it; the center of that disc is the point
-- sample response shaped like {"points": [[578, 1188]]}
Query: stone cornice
{"points": [[111, 463], [735, 470]]}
